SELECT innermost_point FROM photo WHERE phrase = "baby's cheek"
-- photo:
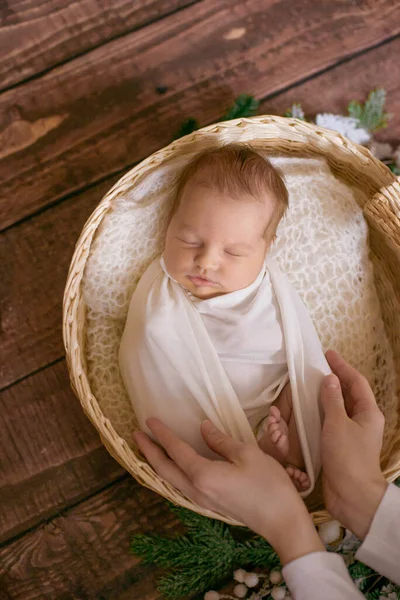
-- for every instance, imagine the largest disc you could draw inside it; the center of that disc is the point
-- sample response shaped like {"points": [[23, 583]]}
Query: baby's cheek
{"points": [[177, 263], [247, 273]]}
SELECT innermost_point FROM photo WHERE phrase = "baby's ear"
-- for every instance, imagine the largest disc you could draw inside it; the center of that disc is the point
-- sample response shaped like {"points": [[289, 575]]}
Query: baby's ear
{"points": [[271, 241]]}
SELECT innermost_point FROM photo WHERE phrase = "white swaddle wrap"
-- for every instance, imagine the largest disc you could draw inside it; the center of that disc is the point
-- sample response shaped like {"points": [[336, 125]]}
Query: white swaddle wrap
{"points": [[225, 359]]}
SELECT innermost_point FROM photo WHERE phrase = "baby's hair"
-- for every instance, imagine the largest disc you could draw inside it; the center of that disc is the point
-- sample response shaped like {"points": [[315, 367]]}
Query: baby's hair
{"points": [[238, 170]]}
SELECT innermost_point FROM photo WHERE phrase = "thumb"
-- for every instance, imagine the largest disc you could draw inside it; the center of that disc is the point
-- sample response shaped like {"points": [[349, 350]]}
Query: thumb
{"points": [[220, 442], [332, 398]]}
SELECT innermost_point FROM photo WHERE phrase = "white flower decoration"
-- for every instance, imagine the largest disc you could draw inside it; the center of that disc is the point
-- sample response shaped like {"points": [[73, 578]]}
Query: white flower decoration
{"points": [[347, 126], [297, 111]]}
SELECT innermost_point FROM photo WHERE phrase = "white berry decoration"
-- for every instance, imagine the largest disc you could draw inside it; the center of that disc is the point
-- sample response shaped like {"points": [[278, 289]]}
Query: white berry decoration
{"points": [[329, 532], [240, 590], [211, 595], [239, 575], [278, 593], [275, 577], [251, 580]]}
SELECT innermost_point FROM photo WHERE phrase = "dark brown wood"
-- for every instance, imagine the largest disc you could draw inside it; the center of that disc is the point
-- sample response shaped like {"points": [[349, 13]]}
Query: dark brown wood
{"points": [[85, 121], [33, 272], [67, 509], [36, 254], [84, 553], [103, 111], [50, 455], [333, 90], [36, 35]]}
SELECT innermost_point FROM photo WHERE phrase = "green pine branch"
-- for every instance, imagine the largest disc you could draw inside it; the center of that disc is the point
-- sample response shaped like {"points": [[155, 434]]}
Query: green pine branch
{"points": [[191, 581], [204, 556], [187, 127], [244, 106], [371, 115], [207, 554]]}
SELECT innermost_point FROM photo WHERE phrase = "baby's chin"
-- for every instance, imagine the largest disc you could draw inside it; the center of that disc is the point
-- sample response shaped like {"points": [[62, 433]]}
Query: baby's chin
{"points": [[203, 292], [206, 294]]}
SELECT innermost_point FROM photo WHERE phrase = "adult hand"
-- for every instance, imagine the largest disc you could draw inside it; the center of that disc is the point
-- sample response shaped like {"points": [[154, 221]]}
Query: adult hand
{"points": [[249, 486], [350, 447]]}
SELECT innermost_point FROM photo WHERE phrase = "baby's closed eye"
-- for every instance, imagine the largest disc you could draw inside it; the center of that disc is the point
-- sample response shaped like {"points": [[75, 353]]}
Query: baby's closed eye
{"points": [[237, 255], [189, 242]]}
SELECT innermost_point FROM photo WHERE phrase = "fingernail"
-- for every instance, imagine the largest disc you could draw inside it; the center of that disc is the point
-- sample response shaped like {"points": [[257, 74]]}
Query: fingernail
{"points": [[331, 381], [208, 425]]}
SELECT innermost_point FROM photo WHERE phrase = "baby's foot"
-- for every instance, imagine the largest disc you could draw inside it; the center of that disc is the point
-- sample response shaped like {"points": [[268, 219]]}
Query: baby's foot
{"points": [[278, 430], [300, 479]]}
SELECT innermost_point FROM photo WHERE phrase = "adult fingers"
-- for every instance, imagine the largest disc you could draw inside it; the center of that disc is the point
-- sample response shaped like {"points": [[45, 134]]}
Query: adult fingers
{"points": [[353, 383], [332, 398], [185, 457], [166, 468], [347, 374], [220, 442]]}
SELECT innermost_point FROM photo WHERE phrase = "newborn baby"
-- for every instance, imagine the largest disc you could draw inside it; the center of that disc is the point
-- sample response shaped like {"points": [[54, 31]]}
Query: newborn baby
{"points": [[213, 289]]}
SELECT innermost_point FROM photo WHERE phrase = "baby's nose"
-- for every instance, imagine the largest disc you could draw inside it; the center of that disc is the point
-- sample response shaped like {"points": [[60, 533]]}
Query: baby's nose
{"points": [[207, 260]]}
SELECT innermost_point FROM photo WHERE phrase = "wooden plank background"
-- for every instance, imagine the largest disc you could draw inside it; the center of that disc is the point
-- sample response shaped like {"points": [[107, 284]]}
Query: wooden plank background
{"points": [[87, 89]]}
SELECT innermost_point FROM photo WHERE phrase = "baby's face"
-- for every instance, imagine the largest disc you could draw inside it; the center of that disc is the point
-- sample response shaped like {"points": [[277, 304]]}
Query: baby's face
{"points": [[215, 244]]}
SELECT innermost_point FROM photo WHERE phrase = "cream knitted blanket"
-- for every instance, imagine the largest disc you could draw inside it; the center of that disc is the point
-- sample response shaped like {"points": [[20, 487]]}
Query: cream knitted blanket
{"points": [[322, 248]]}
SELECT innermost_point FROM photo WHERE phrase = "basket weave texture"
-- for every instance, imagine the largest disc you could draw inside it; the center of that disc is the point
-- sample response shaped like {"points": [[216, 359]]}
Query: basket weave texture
{"points": [[355, 166]]}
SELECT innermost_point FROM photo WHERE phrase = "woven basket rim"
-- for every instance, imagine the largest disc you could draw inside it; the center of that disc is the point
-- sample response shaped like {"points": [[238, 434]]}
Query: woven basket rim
{"points": [[326, 143]]}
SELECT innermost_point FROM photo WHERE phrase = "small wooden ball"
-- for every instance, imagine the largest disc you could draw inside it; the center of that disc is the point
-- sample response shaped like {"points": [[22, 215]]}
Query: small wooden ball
{"points": [[239, 575], [240, 590], [212, 595], [251, 580], [275, 577], [278, 593]]}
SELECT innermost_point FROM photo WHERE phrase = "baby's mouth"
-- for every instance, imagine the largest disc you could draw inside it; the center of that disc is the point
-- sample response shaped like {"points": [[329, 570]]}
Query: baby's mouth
{"points": [[202, 281]]}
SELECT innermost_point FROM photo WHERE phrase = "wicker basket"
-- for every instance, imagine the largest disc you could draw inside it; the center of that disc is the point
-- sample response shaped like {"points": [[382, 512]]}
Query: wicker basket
{"points": [[354, 165]]}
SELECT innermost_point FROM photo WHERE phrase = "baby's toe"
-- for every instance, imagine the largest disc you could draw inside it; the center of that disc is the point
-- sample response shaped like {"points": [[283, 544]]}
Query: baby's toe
{"points": [[290, 471], [304, 480], [281, 443], [273, 427], [275, 413], [300, 479], [275, 436], [269, 421]]}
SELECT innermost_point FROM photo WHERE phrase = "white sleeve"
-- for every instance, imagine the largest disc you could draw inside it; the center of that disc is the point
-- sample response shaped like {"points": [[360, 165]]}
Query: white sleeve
{"points": [[320, 575], [381, 547]]}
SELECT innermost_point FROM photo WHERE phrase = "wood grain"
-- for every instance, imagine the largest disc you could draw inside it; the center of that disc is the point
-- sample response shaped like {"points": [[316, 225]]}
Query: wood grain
{"points": [[333, 90], [36, 253], [73, 125], [83, 122], [84, 553], [35, 35], [50, 454], [33, 272]]}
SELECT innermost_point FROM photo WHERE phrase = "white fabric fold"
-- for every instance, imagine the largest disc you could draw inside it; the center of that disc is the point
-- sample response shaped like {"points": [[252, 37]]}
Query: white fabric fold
{"points": [[184, 360]]}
